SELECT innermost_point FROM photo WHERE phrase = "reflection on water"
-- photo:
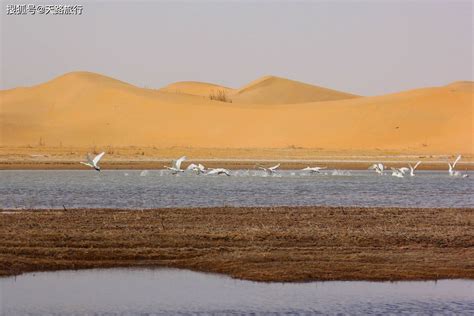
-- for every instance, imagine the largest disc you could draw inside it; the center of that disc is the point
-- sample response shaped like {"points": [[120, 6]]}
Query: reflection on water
{"points": [[157, 188], [171, 291]]}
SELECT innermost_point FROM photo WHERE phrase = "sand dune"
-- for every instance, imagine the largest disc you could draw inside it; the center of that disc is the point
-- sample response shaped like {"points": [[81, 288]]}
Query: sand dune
{"points": [[266, 90], [275, 90], [196, 88], [465, 86], [86, 109]]}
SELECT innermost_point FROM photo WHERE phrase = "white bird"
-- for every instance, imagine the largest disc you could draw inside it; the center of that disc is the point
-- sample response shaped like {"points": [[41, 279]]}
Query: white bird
{"points": [[378, 167], [93, 161], [313, 169], [400, 170], [270, 170], [403, 170], [218, 171], [451, 168], [397, 173], [199, 168], [381, 168], [176, 165], [412, 168]]}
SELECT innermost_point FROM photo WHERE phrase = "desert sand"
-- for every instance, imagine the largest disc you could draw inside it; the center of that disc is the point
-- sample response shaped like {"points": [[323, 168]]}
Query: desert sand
{"points": [[89, 110], [202, 89], [264, 244], [275, 90]]}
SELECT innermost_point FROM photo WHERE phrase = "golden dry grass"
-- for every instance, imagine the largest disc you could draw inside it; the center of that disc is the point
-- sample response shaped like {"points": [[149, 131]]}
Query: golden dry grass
{"points": [[220, 95], [266, 244]]}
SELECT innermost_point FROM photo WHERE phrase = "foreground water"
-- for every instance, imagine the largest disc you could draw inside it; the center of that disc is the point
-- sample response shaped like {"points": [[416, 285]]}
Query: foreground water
{"points": [[172, 291], [158, 188]]}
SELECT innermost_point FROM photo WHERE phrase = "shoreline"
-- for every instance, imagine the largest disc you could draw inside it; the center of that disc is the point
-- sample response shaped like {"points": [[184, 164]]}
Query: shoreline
{"points": [[228, 164], [151, 158], [283, 244]]}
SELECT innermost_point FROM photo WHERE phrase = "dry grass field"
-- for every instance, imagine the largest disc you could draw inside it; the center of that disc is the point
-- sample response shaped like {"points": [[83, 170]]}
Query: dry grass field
{"points": [[264, 244]]}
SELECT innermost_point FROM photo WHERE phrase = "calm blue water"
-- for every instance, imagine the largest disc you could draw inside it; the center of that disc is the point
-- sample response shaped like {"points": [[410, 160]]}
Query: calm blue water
{"points": [[158, 188], [182, 292]]}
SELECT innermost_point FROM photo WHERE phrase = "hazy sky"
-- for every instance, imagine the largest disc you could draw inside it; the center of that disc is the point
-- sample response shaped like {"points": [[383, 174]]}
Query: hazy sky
{"points": [[368, 48]]}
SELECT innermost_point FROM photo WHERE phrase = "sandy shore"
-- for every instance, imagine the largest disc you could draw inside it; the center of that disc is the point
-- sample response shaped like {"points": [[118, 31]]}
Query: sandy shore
{"points": [[264, 244], [233, 165], [50, 158]]}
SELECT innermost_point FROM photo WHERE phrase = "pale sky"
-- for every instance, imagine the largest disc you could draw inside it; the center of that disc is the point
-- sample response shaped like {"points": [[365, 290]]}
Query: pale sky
{"points": [[363, 47]]}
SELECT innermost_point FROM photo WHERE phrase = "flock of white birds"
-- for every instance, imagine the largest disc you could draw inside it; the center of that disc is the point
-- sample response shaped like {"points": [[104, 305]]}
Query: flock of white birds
{"points": [[400, 172], [199, 168], [379, 168]]}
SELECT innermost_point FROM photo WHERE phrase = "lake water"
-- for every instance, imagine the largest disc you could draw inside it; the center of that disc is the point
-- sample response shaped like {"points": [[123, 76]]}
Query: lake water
{"points": [[158, 188], [172, 291]]}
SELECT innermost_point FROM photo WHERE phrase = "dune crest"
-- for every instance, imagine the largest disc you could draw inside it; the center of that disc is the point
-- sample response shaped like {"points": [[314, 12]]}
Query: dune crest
{"points": [[265, 90], [196, 88], [276, 90], [83, 78], [465, 86], [84, 110]]}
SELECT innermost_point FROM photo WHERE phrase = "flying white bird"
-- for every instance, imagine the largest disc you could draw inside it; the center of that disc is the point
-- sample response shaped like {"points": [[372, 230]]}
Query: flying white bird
{"points": [[381, 167], [313, 169], [451, 168], [412, 168], [176, 165], [218, 171], [397, 173], [270, 170], [378, 167], [199, 168], [93, 161]]}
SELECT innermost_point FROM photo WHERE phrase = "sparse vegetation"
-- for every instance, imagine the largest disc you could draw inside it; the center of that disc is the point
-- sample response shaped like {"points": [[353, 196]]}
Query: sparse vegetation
{"points": [[265, 244], [294, 147], [220, 95]]}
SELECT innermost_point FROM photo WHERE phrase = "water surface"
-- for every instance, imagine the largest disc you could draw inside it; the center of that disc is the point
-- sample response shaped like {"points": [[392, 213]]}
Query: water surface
{"points": [[172, 291], [158, 188]]}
